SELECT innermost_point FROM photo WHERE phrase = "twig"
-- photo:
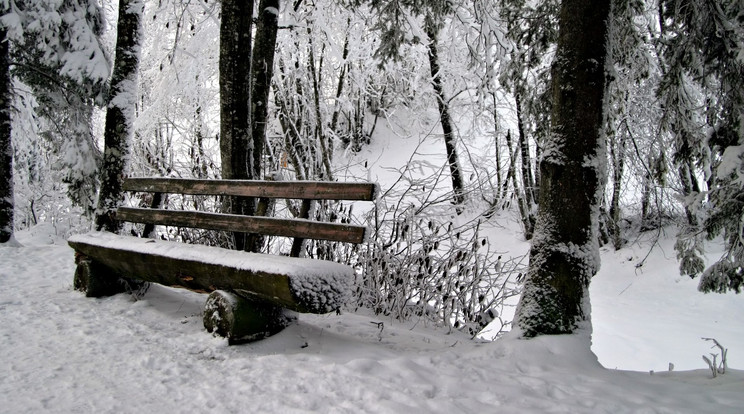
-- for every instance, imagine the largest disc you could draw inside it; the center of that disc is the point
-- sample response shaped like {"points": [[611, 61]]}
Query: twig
{"points": [[724, 364]]}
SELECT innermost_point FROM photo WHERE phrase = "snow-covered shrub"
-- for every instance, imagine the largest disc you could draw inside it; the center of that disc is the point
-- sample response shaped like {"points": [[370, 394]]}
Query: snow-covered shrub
{"points": [[423, 260]]}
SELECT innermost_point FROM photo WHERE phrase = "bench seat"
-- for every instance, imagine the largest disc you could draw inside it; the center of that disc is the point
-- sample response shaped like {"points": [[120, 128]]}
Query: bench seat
{"points": [[300, 284]]}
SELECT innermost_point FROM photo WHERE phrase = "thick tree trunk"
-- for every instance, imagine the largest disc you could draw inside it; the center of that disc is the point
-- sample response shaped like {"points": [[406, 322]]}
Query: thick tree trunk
{"points": [[450, 141], [262, 64], [6, 149], [120, 112], [236, 148], [235, 69], [565, 253]]}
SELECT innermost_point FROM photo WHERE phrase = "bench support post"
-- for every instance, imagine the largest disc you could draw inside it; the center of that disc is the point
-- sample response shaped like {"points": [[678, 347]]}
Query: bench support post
{"points": [[241, 320], [95, 279]]}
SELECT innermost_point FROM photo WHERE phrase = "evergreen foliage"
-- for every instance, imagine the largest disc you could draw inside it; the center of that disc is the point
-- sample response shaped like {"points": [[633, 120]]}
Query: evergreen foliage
{"points": [[57, 51], [704, 94]]}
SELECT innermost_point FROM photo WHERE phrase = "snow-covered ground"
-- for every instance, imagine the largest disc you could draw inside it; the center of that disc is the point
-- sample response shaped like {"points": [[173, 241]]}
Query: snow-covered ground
{"points": [[649, 316], [62, 352]]}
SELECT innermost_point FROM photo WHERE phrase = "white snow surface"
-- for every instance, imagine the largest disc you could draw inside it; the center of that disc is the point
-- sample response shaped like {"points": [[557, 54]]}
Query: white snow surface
{"points": [[65, 353]]}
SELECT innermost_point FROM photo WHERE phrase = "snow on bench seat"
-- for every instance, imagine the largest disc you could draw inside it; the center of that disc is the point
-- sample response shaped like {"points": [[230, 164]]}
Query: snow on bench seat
{"points": [[301, 284]]}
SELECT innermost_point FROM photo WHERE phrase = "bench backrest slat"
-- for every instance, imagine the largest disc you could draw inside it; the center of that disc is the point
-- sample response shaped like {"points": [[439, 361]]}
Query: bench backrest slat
{"points": [[305, 190], [248, 224]]}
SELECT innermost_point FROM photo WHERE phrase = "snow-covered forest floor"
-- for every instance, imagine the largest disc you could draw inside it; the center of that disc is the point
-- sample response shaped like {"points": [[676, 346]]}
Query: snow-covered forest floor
{"points": [[65, 353]]}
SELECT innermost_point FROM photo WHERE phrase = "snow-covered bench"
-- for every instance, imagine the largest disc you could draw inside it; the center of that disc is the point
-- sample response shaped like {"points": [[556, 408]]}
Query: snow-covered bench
{"points": [[252, 295]]}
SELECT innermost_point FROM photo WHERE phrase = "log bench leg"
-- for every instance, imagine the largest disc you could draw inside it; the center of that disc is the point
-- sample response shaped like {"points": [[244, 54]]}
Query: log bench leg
{"points": [[97, 280], [241, 320]]}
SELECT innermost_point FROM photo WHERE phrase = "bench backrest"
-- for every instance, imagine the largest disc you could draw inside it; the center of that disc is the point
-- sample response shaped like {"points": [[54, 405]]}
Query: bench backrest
{"points": [[299, 228]]}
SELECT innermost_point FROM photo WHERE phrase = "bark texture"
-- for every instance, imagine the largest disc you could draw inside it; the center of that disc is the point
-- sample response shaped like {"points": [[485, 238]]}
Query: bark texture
{"points": [[6, 149], [120, 112], [564, 255]]}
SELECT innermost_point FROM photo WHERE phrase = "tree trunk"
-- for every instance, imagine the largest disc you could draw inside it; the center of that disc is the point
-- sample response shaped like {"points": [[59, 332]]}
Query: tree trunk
{"points": [[340, 85], [617, 156], [120, 112], [263, 69], [235, 124], [524, 149], [262, 65], [565, 253], [495, 113], [512, 167], [645, 201], [235, 69], [445, 118], [527, 203], [325, 172], [6, 149]]}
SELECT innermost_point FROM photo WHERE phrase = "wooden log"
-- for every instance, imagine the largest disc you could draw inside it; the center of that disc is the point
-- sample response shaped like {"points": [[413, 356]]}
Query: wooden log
{"points": [[269, 226], [311, 190], [304, 285], [98, 280], [242, 319]]}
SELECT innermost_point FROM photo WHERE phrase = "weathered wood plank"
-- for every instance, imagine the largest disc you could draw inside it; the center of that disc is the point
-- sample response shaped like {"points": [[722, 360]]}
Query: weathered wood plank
{"points": [[279, 280], [309, 190], [269, 226]]}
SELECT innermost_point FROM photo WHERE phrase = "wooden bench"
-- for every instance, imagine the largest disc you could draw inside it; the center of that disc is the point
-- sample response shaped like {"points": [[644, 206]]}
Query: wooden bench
{"points": [[252, 295]]}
